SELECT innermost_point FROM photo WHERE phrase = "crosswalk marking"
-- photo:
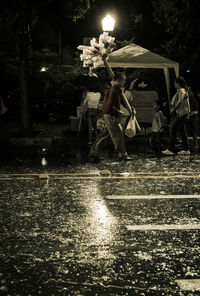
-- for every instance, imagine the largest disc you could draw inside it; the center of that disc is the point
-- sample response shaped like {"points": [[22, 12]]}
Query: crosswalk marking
{"points": [[111, 175], [152, 196], [189, 284], [164, 227]]}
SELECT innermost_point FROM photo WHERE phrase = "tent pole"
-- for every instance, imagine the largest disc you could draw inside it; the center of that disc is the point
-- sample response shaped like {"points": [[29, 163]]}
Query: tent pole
{"points": [[166, 73], [176, 70]]}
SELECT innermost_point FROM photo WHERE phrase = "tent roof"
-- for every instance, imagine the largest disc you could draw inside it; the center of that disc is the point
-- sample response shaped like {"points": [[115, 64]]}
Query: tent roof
{"points": [[135, 56]]}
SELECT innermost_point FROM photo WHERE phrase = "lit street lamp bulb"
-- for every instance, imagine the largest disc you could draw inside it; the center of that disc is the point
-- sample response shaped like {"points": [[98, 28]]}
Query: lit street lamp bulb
{"points": [[43, 69], [108, 23]]}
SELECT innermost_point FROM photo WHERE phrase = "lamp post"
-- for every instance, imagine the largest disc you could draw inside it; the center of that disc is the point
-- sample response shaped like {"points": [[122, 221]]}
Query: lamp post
{"points": [[108, 23]]}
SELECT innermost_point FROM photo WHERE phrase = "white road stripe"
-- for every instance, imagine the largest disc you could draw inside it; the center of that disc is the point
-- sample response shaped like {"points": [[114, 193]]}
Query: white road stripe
{"points": [[151, 196], [189, 285], [163, 227]]}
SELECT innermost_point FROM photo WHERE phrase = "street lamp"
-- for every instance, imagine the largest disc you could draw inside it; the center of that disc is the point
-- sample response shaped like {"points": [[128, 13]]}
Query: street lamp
{"points": [[108, 23]]}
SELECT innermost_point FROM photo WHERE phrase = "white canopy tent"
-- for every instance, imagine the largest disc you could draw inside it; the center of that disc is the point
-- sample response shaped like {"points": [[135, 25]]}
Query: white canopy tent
{"points": [[135, 56]]}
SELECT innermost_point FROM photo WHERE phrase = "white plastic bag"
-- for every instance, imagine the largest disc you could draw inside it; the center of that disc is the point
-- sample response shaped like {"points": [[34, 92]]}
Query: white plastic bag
{"points": [[131, 127]]}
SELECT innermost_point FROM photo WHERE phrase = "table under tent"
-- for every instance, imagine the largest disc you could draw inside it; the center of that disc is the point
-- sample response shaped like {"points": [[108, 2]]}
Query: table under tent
{"points": [[135, 56]]}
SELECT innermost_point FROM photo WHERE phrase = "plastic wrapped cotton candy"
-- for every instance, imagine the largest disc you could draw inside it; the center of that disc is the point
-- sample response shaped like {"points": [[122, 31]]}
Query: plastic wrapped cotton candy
{"points": [[94, 54]]}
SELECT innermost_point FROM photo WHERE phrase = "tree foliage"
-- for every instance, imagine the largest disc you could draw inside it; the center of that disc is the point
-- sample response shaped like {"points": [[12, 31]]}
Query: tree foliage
{"points": [[18, 19], [180, 19]]}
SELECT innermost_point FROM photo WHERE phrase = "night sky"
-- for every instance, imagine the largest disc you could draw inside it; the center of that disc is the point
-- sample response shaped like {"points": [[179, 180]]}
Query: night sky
{"points": [[136, 23]]}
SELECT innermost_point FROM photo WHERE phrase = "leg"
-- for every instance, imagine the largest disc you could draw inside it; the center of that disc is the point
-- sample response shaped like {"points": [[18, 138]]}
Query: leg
{"points": [[172, 133], [94, 124], [99, 142], [156, 141], [194, 130], [89, 125], [117, 136], [183, 132], [124, 122], [116, 133]]}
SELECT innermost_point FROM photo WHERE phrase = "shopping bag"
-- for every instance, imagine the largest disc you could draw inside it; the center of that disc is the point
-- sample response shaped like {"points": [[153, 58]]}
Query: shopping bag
{"points": [[131, 127]]}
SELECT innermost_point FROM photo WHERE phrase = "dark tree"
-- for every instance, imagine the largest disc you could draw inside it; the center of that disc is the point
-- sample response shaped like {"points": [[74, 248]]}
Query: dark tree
{"points": [[20, 17], [180, 19]]}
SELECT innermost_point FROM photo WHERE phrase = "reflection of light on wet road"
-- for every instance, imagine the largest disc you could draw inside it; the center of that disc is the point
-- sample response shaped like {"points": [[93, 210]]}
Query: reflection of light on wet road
{"points": [[101, 211], [100, 223], [99, 218]]}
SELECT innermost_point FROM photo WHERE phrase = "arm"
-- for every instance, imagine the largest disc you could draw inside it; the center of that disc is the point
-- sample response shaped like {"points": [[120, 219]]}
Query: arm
{"points": [[181, 95], [84, 98], [112, 77]]}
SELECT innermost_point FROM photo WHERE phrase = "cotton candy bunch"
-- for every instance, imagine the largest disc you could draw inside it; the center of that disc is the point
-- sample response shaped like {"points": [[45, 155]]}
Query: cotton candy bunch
{"points": [[94, 54]]}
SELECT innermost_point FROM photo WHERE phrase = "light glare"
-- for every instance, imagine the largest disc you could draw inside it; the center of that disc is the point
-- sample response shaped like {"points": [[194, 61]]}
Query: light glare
{"points": [[108, 23]]}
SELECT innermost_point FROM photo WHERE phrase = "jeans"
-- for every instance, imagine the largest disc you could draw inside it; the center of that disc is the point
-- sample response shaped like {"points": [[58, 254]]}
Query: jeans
{"points": [[91, 116], [178, 124], [194, 127], [113, 131]]}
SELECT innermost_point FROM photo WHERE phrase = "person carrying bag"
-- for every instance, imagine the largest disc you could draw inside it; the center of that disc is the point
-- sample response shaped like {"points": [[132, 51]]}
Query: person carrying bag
{"points": [[180, 109]]}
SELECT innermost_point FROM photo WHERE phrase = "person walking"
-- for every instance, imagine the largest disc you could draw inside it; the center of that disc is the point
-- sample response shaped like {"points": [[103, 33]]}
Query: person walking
{"points": [[91, 104], [179, 110], [194, 118], [159, 123], [111, 115]]}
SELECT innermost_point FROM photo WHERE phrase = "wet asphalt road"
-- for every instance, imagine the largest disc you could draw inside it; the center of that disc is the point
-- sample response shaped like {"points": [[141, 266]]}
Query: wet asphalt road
{"points": [[74, 228]]}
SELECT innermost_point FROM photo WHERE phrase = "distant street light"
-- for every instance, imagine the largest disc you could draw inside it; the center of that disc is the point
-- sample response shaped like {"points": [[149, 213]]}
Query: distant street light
{"points": [[108, 23], [43, 69]]}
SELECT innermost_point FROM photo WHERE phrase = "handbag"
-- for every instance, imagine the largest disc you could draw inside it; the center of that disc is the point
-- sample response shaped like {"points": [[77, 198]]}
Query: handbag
{"points": [[130, 130], [3, 108], [184, 108]]}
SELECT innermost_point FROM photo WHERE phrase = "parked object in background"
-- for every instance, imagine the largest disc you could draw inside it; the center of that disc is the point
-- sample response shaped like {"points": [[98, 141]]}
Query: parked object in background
{"points": [[144, 103], [3, 108]]}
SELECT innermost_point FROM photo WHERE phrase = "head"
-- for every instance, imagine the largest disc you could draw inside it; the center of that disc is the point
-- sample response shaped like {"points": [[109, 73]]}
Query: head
{"points": [[180, 82], [120, 79], [190, 92]]}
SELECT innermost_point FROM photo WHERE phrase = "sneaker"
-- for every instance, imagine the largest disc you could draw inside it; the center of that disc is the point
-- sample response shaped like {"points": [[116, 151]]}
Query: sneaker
{"points": [[167, 152], [184, 152], [124, 157]]}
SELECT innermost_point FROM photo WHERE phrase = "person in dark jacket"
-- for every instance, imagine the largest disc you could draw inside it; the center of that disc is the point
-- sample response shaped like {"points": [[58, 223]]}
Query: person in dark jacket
{"points": [[194, 118]]}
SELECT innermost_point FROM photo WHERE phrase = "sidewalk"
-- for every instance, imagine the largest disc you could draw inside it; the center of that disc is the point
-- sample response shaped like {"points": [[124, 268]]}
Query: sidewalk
{"points": [[61, 139], [57, 140], [41, 132], [57, 137]]}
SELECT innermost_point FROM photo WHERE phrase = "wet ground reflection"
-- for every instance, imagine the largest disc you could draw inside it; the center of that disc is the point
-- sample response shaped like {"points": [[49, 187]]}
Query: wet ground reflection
{"points": [[58, 229]]}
